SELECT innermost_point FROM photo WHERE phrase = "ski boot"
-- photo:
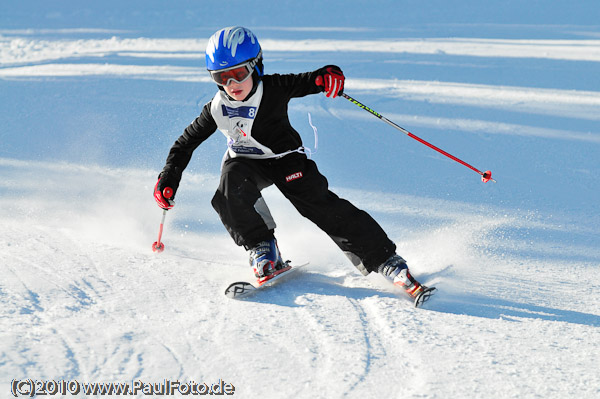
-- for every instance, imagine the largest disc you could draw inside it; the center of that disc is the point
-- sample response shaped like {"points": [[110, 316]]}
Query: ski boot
{"points": [[396, 271], [266, 261]]}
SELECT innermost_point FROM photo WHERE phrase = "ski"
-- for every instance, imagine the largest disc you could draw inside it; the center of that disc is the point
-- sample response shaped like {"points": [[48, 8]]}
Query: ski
{"points": [[244, 289], [424, 296]]}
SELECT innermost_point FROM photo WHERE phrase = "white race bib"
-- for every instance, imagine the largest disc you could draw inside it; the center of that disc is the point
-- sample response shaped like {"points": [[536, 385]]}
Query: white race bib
{"points": [[235, 119]]}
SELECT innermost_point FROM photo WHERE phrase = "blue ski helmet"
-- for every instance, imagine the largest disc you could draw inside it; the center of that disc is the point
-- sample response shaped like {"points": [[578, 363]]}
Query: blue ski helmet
{"points": [[233, 46]]}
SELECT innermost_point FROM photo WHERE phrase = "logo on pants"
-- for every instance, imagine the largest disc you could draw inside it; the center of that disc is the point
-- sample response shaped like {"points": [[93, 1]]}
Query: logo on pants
{"points": [[293, 176]]}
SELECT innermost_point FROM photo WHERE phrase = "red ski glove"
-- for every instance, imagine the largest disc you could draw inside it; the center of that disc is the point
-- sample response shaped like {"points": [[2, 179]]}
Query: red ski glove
{"points": [[332, 79], [163, 196]]}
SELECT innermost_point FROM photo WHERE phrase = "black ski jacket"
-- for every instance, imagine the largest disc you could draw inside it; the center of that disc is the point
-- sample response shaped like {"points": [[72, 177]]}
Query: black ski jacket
{"points": [[271, 126]]}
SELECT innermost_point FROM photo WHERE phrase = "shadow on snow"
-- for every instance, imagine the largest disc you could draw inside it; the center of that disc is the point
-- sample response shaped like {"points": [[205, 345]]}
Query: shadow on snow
{"points": [[286, 294]]}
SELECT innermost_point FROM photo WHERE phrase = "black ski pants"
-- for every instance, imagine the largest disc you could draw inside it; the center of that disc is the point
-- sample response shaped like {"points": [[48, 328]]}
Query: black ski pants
{"points": [[242, 210]]}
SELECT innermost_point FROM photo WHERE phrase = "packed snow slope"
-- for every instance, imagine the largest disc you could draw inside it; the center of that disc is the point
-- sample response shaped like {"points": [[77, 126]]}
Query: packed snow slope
{"points": [[93, 94]]}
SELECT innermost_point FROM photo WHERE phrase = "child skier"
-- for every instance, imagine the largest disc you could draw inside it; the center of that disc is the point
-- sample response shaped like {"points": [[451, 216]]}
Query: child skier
{"points": [[250, 109]]}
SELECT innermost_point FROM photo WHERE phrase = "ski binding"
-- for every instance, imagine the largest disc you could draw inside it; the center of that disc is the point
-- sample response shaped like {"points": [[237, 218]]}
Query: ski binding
{"points": [[244, 289]]}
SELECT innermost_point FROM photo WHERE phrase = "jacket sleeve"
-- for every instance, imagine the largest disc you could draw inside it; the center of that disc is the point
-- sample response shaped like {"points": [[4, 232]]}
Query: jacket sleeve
{"points": [[181, 151], [298, 85]]}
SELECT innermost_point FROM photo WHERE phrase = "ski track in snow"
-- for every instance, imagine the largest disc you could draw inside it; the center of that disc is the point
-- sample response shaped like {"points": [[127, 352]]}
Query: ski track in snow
{"points": [[543, 101], [25, 50], [83, 297]]}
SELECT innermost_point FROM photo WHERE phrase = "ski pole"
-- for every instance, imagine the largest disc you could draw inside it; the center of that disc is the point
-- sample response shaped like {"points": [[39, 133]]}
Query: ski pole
{"points": [[485, 176], [159, 246]]}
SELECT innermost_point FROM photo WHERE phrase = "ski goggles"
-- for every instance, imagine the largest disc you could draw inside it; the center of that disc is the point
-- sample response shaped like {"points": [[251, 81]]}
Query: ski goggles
{"points": [[239, 73]]}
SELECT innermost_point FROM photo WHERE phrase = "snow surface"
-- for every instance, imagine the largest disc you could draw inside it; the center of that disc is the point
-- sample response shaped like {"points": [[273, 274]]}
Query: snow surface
{"points": [[93, 94]]}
